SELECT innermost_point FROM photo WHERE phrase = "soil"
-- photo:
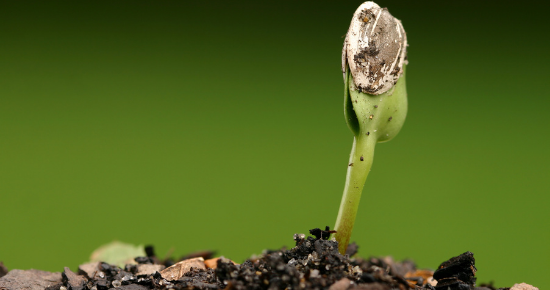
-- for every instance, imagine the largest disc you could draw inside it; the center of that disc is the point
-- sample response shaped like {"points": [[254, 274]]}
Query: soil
{"points": [[314, 263]]}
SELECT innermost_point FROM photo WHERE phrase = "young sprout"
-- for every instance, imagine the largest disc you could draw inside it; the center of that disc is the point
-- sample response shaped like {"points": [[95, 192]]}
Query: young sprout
{"points": [[375, 98]]}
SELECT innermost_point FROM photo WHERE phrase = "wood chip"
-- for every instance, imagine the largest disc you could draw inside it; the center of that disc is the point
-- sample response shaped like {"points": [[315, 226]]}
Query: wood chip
{"points": [[89, 269], [211, 263], [177, 270], [74, 281], [29, 280]]}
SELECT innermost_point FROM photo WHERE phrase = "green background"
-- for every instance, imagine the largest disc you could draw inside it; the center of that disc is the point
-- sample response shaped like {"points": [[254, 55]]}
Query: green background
{"points": [[219, 125]]}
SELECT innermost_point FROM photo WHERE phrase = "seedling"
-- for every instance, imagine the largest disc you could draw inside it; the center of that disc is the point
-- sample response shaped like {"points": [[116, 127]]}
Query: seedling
{"points": [[375, 99]]}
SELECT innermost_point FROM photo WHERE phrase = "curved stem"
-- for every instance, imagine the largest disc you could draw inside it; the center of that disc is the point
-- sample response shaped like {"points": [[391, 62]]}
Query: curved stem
{"points": [[359, 166]]}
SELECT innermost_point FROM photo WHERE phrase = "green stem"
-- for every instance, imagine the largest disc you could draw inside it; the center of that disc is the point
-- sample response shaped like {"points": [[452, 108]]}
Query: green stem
{"points": [[372, 119], [360, 162]]}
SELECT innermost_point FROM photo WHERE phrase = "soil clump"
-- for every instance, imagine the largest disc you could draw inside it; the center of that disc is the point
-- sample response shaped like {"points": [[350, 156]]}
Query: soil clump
{"points": [[314, 263]]}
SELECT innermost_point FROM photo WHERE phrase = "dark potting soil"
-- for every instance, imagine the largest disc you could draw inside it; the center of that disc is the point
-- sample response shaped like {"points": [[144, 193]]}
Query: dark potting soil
{"points": [[314, 263]]}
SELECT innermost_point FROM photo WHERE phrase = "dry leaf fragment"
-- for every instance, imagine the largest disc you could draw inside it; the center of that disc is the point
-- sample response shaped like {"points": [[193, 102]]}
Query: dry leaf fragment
{"points": [[177, 270], [118, 253]]}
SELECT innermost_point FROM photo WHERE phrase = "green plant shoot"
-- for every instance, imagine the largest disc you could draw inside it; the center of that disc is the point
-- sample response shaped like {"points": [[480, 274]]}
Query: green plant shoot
{"points": [[375, 99]]}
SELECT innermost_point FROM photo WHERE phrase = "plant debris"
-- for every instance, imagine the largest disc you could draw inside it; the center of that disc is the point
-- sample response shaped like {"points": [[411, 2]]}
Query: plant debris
{"points": [[176, 271], [457, 273], [320, 234], [314, 263]]}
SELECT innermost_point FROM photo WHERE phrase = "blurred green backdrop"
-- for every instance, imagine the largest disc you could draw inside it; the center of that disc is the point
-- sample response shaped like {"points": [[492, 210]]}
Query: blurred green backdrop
{"points": [[219, 125]]}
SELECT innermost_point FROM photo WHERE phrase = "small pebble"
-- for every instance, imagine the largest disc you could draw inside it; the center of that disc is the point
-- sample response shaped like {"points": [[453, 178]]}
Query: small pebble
{"points": [[313, 273], [116, 283]]}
